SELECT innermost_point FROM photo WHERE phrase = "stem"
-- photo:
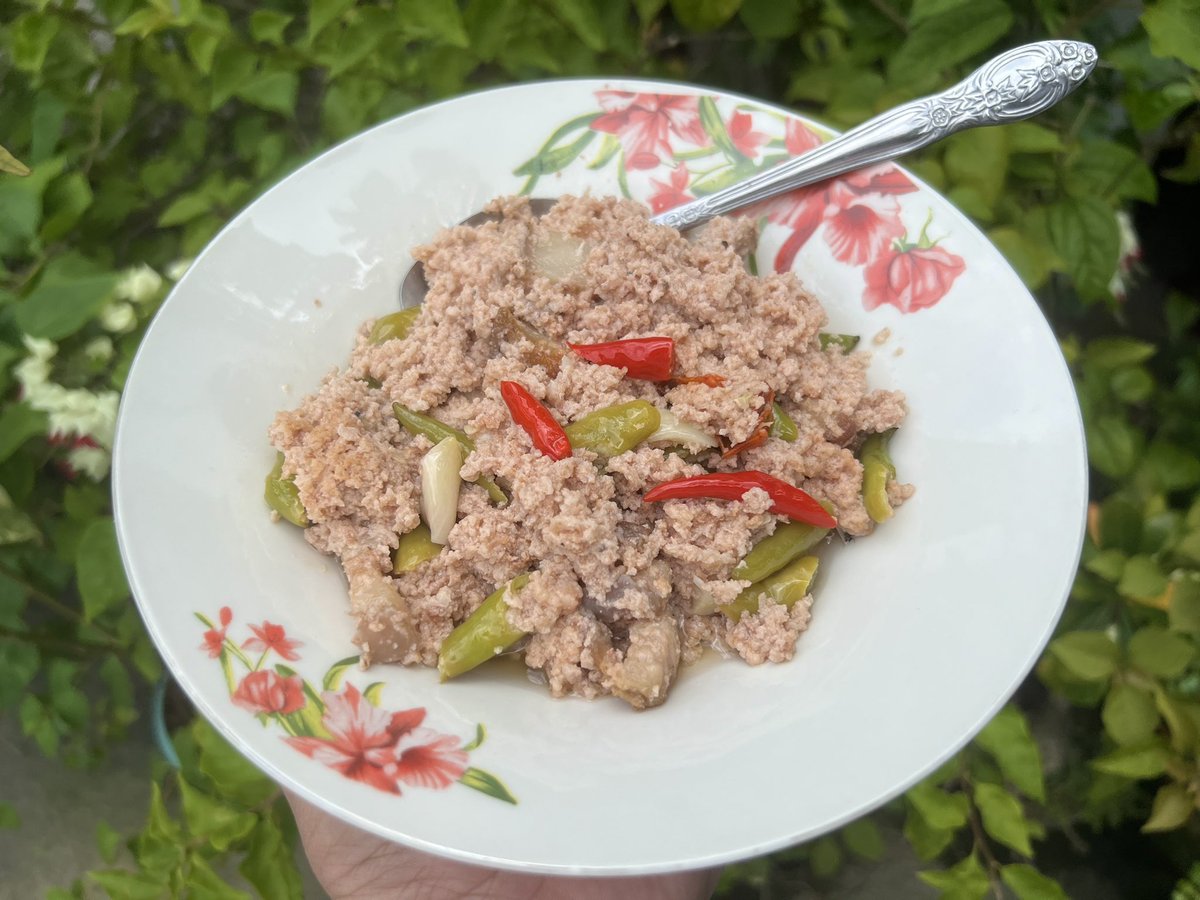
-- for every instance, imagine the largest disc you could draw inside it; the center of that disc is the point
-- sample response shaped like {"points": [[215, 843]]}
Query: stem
{"points": [[697, 154], [76, 647], [52, 603], [237, 651], [891, 14]]}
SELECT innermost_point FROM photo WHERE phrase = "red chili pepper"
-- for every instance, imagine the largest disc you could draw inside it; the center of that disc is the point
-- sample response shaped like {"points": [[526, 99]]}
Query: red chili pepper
{"points": [[762, 428], [547, 435], [648, 358], [786, 500], [713, 381]]}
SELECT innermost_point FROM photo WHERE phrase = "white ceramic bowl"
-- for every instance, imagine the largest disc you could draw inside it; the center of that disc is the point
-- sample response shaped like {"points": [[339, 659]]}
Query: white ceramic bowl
{"points": [[919, 634]]}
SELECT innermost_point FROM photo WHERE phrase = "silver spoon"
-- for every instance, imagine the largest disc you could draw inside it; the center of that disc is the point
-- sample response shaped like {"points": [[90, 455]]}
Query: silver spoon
{"points": [[1015, 85]]}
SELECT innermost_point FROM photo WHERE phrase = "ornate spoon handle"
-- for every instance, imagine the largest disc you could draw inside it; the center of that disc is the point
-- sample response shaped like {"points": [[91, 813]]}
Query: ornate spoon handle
{"points": [[1015, 85]]}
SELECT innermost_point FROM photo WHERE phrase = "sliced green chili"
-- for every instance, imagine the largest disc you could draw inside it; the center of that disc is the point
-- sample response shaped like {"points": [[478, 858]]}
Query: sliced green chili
{"points": [[785, 587], [878, 470], [483, 634], [283, 496]]}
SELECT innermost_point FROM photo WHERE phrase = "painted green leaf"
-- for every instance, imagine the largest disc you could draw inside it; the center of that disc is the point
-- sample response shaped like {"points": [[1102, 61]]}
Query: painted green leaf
{"points": [[480, 737], [487, 783], [333, 678]]}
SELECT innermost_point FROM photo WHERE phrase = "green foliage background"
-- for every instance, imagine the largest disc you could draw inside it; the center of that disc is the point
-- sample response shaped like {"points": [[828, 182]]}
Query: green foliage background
{"points": [[146, 125]]}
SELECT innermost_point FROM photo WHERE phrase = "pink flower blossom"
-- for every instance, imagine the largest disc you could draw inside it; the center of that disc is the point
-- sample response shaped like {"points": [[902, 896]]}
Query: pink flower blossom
{"points": [[670, 194], [741, 131], [644, 123], [268, 636], [911, 279], [214, 638], [265, 692]]}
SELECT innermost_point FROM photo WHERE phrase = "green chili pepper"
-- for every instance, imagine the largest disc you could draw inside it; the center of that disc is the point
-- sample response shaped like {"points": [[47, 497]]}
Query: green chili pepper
{"points": [[372, 382], [612, 430], [419, 423], [483, 634], [783, 426], [772, 553], [784, 587], [846, 341], [283, 496], [414, 548], [878, 470], [393, 326]]}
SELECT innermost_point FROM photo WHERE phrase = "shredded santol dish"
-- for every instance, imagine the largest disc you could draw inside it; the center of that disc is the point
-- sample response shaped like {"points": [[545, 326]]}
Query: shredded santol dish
{"points": [[598, 443]]}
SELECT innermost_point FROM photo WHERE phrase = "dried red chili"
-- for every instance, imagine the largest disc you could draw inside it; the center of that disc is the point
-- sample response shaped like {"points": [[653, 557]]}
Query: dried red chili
{"points": [[647, 358], [711, 380], [545, 432], [762, 428], [786, 499]]}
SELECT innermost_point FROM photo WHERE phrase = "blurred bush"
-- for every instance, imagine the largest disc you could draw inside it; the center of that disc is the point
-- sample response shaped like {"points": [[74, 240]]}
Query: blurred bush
{"points": [[135, 129]]}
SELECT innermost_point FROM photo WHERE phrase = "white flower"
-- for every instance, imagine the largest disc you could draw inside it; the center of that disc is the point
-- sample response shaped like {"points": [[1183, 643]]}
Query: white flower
{"points": [[118, 317], [34, 369], [176, 269], [100, 349], [1127, 258], [139, 285], [92, 461]]}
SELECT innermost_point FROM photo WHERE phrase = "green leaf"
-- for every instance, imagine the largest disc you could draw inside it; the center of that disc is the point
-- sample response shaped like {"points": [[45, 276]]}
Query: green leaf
{"points": [[1084, 232], [714, 127], [1141, 578], [436, 20], [18, 423], [1183, 721], [583, 18], [38, 723], [30, 36], [1132, 384], [557, 158], [950, 37], [704, 15], [1113, 445], [267, 25], [98, 568], [373, 692], [1029, 137], [1008, 739], [11, 165], [1032, 259], [1003, 817], [1029, 884], [864, 839], [323, 12], [770, 20], [9, 819], [207, 817], [940, 809], [67, 199], [205, 884], [965, 881], [1172, 467], [480, 737], [159, 848], [108, 841], [61, 305], [240, 782], [487, 783], [1172, 808], [269, 865], [186, 208], [927, 842], [333, 678], [202, 48], [122, 885], [1160, 652], [1116, 352], [232, 65], [1129, 715], [1109, 565], [19, 664], [825, 857], [16, 526], [978, 158], [1109, 171], [1146, 761], [272, 89], [1174, 29], [49, 115], [1184, 611], [1090, 655]]}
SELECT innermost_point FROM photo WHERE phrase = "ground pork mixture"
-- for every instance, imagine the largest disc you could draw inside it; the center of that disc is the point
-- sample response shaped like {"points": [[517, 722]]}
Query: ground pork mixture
{"points": [[620, 591]]}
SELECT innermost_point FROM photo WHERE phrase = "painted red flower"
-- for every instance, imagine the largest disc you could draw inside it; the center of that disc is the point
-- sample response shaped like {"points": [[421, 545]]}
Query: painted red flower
{"points": [[670, 194], [362, 742], [426, 758], [265, 692], [644, 123], [214, 638], [268, 636], [799, 138], [911, 279], [741, 131], [860, 224]]}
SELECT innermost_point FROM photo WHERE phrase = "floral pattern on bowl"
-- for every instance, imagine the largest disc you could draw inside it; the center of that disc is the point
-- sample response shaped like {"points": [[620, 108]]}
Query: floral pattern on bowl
{"points": [[704, 149], [345, 729]]}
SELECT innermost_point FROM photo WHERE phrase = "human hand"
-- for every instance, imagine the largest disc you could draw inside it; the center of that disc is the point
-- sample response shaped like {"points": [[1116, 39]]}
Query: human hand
{"points": [[354, 865]]}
